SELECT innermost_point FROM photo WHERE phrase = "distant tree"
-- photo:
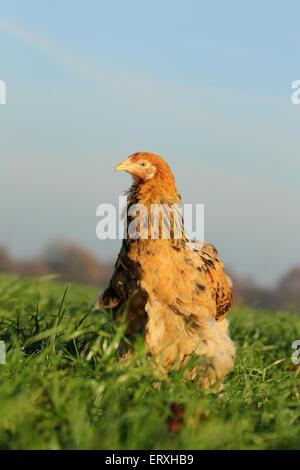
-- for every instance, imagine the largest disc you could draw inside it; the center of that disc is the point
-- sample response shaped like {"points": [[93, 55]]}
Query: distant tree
{"points": [[288, 290], [73, 263], [5, 260], [259, 297], [247, 292], [30, 268]]}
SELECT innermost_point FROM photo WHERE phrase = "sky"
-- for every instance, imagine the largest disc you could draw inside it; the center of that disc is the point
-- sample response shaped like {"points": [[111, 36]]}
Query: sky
{"points": [[205, 84]]}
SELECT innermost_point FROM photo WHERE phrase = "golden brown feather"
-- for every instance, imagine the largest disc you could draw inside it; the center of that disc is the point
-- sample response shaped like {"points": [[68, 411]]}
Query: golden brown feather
{"points": [[176, 291]]}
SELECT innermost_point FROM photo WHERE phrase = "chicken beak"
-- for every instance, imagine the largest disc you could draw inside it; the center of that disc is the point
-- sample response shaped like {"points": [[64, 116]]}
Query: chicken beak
{"points": [[123, 166]]}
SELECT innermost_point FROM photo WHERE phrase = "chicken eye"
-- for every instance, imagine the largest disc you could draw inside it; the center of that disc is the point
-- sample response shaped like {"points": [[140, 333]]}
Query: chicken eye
{"points": [[143, 164]]}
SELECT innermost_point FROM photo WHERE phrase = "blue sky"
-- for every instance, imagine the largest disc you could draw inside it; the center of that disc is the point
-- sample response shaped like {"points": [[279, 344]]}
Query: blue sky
{"points": [[207, 85]]}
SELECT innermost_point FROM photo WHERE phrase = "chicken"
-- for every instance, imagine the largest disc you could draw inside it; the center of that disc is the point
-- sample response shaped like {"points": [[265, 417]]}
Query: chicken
{"points": [[175, 291]]}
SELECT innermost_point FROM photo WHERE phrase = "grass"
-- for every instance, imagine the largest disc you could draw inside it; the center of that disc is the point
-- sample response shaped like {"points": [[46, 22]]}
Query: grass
{"points": [[63, 386]]}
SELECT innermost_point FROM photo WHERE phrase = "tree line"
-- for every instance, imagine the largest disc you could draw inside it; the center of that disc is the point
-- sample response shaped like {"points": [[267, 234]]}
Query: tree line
{"points": [[73, 263]]}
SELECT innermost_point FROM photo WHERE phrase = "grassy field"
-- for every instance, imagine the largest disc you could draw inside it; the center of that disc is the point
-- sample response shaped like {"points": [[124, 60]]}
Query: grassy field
{"points": [[63, 386]]}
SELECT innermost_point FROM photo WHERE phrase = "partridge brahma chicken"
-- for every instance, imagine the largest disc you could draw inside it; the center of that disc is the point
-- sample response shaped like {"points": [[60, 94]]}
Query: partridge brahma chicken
{"points": [[174, 291]]}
